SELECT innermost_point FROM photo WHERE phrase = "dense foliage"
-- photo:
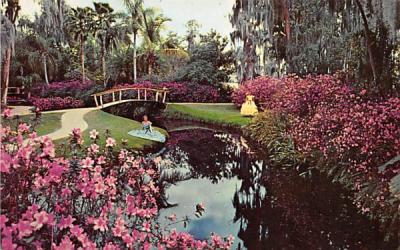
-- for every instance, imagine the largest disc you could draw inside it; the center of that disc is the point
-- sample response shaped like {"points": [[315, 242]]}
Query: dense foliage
{"points": [[357, 37], [54, 103], [182, 92], [346, 133], [95, 44], [97, 198]]}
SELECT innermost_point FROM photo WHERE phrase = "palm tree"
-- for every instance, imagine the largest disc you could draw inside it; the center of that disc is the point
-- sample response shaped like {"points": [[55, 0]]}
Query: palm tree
{"points": [[153, 24], [43, 54], [106, 33], [135, 8], [80, 25], [12, 9]]}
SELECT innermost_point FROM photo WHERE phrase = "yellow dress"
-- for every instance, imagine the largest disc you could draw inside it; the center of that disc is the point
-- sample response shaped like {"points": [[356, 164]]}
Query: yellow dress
{"points": [[249, 108]]}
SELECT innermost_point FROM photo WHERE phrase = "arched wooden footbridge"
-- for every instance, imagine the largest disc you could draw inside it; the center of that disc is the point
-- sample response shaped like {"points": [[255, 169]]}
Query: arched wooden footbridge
{"points": [[136, 94]]}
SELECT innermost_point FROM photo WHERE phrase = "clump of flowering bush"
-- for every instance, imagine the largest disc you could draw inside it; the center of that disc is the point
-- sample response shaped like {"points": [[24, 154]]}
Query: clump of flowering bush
{"points": [[54, 103], [66, 88], [96, 198], [346, 133], [262, 88], [182, 92]]}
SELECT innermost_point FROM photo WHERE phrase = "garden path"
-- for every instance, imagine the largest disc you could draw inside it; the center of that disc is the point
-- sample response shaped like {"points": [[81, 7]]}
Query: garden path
{"points": [[72, 118]]}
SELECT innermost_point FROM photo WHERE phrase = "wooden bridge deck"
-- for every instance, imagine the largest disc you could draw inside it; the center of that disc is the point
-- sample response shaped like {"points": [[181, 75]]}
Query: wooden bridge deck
{"points": [[140, 94]]}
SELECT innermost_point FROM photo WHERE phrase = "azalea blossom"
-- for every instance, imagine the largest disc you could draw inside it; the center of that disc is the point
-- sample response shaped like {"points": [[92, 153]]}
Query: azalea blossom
{"points": [[87, 162], [110, 142], [93, 134]]}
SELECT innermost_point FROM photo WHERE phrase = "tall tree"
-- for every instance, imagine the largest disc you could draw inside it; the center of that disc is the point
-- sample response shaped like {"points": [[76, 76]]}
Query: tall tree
{"points": [[42, 53], [8, 19], [51, 21], [105, 32], [135, 8], [192, 31], [80, 25], [153, 24]]}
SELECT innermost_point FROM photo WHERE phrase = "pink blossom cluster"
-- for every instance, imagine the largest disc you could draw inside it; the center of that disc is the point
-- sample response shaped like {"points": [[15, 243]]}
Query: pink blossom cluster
{"points": [[181, 92], [94, 199], [262, 88], [347, 132], [54, 103], [65, 87]]}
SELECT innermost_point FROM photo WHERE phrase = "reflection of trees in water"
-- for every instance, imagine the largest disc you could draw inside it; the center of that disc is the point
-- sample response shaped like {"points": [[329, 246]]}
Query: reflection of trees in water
{"points": [[205, 153], [275, 208]]}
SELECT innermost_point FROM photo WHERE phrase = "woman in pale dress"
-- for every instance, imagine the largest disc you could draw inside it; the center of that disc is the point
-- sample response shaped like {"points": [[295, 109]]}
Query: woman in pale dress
{"points": [[249, 108]]}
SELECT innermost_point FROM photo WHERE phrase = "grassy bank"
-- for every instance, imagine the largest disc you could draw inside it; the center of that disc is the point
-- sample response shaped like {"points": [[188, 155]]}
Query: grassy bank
{"points": [[222, 114], [118, 128], [48, 122]]}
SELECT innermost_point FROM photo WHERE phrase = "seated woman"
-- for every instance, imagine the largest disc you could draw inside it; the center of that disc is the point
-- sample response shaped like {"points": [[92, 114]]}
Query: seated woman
{"points": [[146, 124]]}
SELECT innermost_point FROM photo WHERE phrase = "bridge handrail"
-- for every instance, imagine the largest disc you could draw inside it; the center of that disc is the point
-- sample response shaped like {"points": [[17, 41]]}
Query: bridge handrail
{"points": [[129, 88]]}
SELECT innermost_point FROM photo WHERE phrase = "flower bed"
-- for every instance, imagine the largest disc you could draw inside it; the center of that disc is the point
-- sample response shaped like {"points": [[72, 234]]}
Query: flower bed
{"points": [[182, 92], [96, 198], [65, 88], [349, 135], [55, 103]]}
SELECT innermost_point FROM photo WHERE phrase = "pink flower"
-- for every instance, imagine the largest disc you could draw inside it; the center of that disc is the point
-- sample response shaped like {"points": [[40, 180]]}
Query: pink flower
{"points": [[94, 148], [100, 187], [146, 226], [41, 218], [110, 142], [5, 162], [7, 113], [24, 228], [100, 224], [87, 162], [66, 244], [93, 134], [23, 128], [101, 160], [66, 222]]}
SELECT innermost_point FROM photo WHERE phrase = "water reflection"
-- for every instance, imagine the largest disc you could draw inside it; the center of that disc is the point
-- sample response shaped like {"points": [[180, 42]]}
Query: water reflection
{"points": [[263, 207]]}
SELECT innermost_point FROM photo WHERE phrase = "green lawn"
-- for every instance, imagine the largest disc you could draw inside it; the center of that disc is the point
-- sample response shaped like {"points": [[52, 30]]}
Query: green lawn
{"points": [[48, 122], [118, 127], [218, 113]]}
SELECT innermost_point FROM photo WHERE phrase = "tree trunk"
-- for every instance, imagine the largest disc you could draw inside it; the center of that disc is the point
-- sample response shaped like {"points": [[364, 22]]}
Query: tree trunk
{"points": [[82, 61], [5, 76], [150, 70], [134, 58], [286, 17], [368, 42], [103, 62], [46, 78]]}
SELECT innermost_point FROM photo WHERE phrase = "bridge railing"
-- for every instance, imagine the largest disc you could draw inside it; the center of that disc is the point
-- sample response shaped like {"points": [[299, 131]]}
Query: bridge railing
{"points": [[142, 94]]}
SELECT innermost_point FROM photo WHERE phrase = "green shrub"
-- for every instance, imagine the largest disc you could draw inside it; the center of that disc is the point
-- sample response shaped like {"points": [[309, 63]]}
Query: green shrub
{"points": [[268, 129]]}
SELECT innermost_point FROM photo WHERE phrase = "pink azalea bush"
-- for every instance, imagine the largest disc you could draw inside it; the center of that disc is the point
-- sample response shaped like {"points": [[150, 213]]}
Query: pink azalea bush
{"points": [[65, 88], [346, 133], [54, 103], [181, 92], [95, 199], [262, 88]]}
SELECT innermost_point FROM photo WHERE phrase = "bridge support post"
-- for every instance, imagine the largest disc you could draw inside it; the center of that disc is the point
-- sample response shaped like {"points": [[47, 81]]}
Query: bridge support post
{"points": [[95, 100], [145, 94], [165, 97], [101, 101], [113, 95], [120, 95], [156, 96]]}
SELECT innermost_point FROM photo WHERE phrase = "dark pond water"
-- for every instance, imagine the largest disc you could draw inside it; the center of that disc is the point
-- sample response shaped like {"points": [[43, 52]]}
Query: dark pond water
{"points": [[263, 207]]}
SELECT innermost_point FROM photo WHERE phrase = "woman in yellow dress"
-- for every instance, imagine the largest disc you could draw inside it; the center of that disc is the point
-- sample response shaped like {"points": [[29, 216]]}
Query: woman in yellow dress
{"points": [[249, 108]]}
